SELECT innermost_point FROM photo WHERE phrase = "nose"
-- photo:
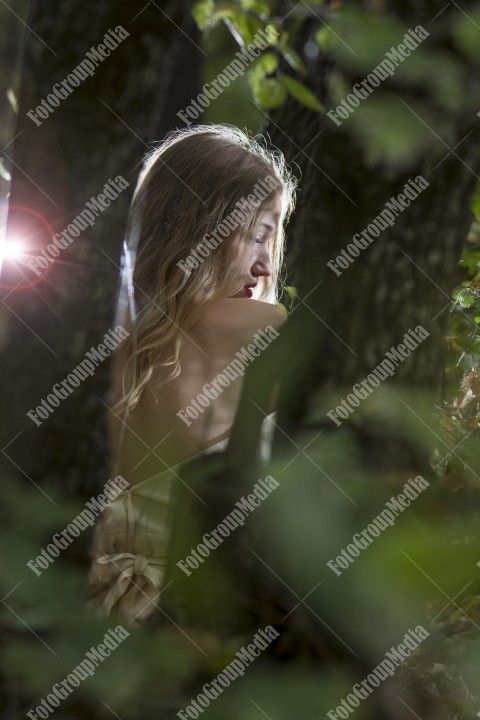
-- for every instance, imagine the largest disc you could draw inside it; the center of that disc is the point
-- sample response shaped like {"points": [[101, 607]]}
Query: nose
{"points": [[262, 266]]}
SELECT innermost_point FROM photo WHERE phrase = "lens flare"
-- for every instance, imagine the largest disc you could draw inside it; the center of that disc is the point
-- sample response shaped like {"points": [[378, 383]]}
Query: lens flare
{"points": [[13, 248]]}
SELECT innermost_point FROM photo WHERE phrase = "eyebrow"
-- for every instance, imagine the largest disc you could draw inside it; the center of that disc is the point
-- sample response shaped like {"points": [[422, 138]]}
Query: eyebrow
{"points": [[269, 226]]}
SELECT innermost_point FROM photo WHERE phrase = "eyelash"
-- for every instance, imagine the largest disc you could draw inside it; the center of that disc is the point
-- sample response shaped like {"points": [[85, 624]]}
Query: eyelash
{"points": [[263, 238]]}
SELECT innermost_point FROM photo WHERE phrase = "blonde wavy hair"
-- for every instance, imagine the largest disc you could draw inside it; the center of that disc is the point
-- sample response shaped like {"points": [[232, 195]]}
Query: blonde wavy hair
{"points": [[187, 186]]}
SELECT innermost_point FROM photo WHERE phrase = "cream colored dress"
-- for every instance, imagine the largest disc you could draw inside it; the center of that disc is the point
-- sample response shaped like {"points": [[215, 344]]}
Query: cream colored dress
{"points": [[129, 551]]}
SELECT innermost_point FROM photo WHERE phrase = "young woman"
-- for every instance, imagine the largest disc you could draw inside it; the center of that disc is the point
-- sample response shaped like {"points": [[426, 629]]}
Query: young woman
{"points": [[210, 208]]}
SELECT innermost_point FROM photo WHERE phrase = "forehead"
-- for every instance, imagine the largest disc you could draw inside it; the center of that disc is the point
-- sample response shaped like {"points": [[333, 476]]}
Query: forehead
{"points": [[274, 210], [276, 206]]}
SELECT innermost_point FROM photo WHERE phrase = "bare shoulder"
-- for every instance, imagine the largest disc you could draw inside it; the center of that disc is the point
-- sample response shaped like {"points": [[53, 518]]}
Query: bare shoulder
{"points": [[230, 323], [243, 313]]}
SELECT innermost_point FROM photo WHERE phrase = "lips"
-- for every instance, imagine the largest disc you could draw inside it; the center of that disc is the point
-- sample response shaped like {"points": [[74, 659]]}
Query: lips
{"points": [[248, 289]]}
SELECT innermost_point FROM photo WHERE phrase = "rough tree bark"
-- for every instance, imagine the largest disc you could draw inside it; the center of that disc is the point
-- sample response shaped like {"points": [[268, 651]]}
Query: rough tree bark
{"points": [[403, 279], [100, 131]]}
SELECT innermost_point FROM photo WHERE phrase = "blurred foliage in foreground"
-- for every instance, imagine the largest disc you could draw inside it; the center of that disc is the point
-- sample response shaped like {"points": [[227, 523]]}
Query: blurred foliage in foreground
{"points": [[460, 414], [333, 629]]}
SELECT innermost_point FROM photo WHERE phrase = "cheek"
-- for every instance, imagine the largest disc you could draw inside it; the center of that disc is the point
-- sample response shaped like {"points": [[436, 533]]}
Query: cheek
{"points": [[243, 256], [251, 258]]}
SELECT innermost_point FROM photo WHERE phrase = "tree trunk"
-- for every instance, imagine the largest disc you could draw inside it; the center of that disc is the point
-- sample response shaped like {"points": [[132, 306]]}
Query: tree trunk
{"points": [[99, 132]]}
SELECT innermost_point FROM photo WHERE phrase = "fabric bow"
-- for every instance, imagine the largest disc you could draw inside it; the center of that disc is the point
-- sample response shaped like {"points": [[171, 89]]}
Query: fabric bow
{"points": [[135, 583]]}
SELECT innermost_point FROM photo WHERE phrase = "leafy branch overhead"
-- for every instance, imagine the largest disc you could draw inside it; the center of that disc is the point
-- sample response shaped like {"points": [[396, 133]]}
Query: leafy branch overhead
{"points": [[270, 85], [434, 81]]}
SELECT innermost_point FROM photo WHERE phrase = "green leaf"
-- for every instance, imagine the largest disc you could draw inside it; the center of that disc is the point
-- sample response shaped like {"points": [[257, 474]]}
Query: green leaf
{"points": [[239, 24], [255, 5], [291, 291], [292, 58], [475, 207], [208, 14], [470, 260], [274, 31], [268, 92], [301, 93], [203, 13], [266, 64], [464, 298], [326, 39]]}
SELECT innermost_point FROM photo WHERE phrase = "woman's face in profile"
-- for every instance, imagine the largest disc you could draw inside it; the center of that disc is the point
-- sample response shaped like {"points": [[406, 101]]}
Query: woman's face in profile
{"points": [[253, 259]]}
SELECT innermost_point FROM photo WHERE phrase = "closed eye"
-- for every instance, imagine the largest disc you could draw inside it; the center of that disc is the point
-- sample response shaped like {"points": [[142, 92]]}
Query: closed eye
{"points": [[262, 237]]}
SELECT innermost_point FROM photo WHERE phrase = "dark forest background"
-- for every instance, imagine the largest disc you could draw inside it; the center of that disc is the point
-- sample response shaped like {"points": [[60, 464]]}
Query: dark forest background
{"points": [[423, 270]]}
